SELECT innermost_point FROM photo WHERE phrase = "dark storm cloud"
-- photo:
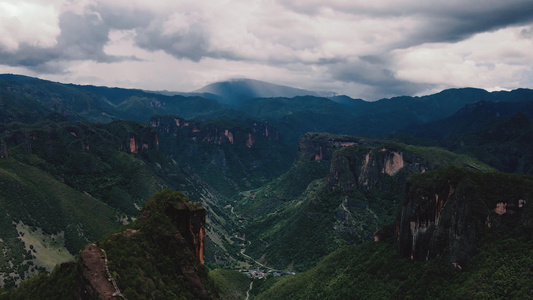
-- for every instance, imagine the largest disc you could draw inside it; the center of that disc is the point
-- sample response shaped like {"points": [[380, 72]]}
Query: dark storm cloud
{"points": [[435, 22], [441, 21], [82, 38], [372, 71], [191, 43], [384, 47], [454, 25]]}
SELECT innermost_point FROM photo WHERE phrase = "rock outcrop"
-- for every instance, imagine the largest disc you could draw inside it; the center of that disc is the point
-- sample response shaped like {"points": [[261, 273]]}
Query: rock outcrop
{"points": [[165, 247], [320, 146], [367, 167], [191, 224], [95, 281], [447, 212], [122, 135], [215, 133], [230, 156]]}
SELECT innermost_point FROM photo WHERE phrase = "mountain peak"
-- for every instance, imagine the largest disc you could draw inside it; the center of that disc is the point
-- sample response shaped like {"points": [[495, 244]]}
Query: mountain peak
{"points": [[235, 91]]}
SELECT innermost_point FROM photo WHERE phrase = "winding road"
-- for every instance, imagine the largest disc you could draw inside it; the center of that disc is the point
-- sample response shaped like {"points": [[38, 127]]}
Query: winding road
{"points": [[249, 289], [248, 256]]}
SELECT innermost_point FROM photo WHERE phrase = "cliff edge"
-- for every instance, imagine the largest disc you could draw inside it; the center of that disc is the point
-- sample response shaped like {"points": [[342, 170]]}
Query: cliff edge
{"points": [[448, 212]]}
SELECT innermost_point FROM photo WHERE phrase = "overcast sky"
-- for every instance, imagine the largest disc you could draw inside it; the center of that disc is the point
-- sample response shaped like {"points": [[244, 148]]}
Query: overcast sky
{"points": [[364, 49]]}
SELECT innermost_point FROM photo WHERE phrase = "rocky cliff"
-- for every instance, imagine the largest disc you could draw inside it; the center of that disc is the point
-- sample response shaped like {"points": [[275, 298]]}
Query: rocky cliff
{"points": [[159, 256], [190, 222], [366, 167], [321, 146], [171, 224], [219, 133], [231, 156], [370, 166], [448, 213], [342, 190], [50, 137]]}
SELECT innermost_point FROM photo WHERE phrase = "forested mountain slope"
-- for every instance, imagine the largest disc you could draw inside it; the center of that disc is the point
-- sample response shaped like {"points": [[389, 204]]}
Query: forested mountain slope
{"points": [[469, 235], [341, 191], [158, 256]]}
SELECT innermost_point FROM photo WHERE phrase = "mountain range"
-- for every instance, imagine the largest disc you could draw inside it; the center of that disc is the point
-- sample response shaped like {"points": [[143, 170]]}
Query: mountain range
{"points": [[397, 198]]}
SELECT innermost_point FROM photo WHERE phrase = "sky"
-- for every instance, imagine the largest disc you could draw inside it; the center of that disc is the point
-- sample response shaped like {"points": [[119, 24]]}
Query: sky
{"points": [[363, 49]]}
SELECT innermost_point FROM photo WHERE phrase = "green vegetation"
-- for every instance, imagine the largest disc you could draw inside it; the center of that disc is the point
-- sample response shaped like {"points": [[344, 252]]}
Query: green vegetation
{"points": [[60, 285], [305, 214], [288, 186], [48, 250], [36, 199], [218, 152], [500, 267], [441, 157], [87, 157], [500, 270], [498, 134], [78, 180], [150, 259], [231, 285], [66, 182], [155, 260]]}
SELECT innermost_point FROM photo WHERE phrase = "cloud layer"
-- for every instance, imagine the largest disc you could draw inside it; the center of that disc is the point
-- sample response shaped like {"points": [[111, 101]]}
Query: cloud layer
{"points": [[360, 48]]}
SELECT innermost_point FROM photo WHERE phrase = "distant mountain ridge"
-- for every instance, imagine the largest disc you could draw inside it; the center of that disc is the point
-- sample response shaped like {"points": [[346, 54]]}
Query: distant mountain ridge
{"points": [[234, 92], [77, 162], [498, 133], [293, 111]]}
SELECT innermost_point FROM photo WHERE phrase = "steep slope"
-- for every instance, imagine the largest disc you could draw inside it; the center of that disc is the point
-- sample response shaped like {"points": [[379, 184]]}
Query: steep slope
{"points": [[446, 212], [229, 155], [499, 134], [231, 284], [315, 152], [27, 99], [64, 184], [96, 159], [158, 256], [356, 190], [473, 228], [470, 119], [43, 221], [376, 271]]}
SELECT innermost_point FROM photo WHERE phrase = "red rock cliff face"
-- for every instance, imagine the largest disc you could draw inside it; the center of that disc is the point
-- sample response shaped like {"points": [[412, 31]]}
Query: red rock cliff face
{"points": [[448, 213], [124, 136], [142, 141], [365, 167], [191, 224], [216, 134]]}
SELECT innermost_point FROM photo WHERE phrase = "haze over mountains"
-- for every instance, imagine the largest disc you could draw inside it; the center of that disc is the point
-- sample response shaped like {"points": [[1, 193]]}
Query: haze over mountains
{"points": [[286, 178], [235, 92]]}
